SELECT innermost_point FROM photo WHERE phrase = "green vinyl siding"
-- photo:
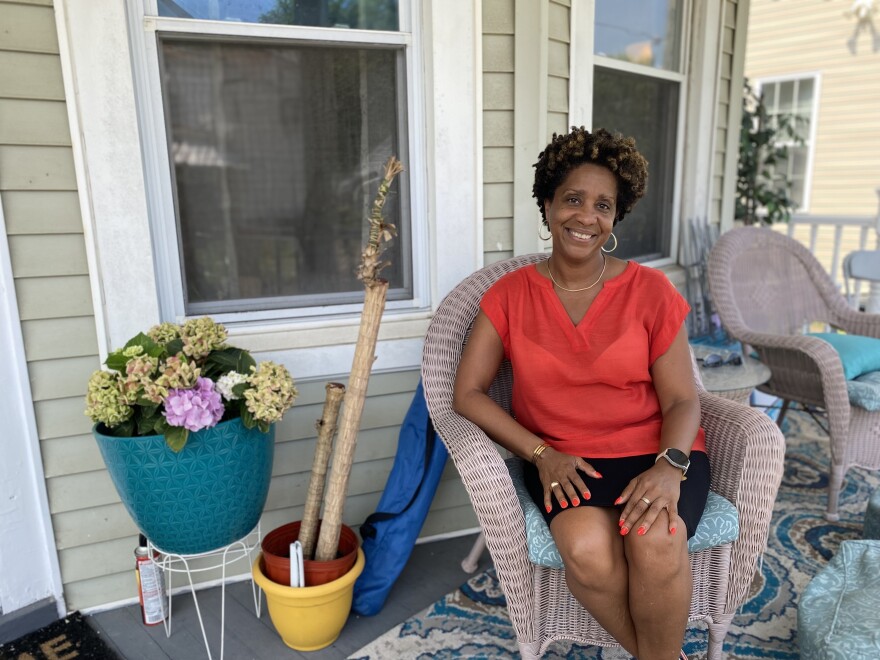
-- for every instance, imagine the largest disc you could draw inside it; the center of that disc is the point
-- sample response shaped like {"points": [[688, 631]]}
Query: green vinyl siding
{"points": [[498, 128]]}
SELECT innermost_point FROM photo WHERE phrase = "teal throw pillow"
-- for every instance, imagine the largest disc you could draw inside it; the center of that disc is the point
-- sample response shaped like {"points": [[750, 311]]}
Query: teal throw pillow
{"points": [[858, 354]]}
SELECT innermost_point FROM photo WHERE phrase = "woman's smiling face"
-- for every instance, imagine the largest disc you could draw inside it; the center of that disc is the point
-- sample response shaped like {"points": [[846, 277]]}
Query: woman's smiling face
{"points": [[581, 213]]}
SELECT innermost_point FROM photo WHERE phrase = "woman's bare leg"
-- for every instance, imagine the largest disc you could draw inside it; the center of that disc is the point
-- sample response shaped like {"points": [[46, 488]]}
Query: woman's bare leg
{"points": [[660, 585], [596, 568]]}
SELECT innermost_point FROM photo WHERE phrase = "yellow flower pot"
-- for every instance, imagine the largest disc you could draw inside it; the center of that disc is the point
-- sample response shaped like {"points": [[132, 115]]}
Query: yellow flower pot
{"points": [[309, 618]]}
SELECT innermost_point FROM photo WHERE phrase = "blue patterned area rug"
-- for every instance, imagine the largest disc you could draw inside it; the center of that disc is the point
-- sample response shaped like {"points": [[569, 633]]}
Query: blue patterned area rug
{"points": [[472, 622]]}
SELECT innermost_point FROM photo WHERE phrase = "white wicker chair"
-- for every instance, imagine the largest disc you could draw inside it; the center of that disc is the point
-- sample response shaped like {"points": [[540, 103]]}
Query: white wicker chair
{"points": [[745, 449]]}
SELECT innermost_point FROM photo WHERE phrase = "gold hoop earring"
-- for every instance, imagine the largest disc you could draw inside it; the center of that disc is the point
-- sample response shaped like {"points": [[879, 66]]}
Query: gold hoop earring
{"points": [[615, 245], [549, 236]]}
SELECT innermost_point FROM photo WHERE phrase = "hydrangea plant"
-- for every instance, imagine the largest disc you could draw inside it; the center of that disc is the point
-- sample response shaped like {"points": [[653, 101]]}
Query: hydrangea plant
{"points": [[181, 378]]}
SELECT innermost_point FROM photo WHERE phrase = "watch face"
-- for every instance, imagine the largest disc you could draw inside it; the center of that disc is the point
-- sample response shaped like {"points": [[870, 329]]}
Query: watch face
{"points": [[678, 456]]}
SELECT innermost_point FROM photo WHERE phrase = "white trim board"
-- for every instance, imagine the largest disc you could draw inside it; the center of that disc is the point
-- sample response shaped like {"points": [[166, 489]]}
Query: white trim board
{"points": [[29, 570]]}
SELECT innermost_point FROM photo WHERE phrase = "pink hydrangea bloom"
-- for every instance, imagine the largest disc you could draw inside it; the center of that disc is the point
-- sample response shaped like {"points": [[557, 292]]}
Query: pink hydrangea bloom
{"points": [[194, 409]]}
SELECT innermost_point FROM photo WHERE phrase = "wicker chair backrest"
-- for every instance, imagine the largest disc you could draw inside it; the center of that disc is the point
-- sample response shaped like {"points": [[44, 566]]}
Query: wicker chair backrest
{"points": [[770, 283]]}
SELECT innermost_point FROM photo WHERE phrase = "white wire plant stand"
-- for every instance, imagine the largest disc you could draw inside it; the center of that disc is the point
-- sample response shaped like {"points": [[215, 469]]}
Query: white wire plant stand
{"points": [[173, 563]]}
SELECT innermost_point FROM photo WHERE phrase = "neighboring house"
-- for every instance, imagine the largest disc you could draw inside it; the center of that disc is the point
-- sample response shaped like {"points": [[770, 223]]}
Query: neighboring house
{"points": [[820, 60], [154, 166]]}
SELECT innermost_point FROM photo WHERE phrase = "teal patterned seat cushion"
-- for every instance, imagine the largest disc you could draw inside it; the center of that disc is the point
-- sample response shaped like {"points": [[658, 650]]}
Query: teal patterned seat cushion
{"points": [[839, 611], [719, 524], [864, 391]]}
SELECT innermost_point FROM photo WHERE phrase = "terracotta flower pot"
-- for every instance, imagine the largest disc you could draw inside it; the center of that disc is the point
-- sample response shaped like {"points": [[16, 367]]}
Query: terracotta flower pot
{"points": [[276, 556]]}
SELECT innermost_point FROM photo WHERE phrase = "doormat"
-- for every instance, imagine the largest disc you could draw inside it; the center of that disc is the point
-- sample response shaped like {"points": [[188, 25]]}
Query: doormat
{"points": [[70, 638]]}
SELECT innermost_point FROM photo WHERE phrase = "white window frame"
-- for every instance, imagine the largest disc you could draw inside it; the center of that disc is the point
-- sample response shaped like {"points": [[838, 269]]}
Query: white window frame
{"points": [[816, 77], [696, 139], [584, 61], [120, 161], [160, 194]]}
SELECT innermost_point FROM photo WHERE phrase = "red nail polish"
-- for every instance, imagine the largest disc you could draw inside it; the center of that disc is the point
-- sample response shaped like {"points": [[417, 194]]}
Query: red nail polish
{"points": [[624, 531], [549, 508], [563, 504], [618, 500], [598, 476], [620, 523], [641, 531], [575, 502], [587, 496], [672, 531]]}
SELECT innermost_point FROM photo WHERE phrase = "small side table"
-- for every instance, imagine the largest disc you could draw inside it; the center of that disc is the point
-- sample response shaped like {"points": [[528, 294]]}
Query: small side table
{"points": [[170, 563], [731, 382]]}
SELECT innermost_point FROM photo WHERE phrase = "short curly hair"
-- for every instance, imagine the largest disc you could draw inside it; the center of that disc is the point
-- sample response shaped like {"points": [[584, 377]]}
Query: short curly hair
{"points": [[579, 146]]}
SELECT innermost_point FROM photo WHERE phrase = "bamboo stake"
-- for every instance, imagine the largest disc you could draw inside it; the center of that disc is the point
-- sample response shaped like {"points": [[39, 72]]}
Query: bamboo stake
{"points": [[375, 292], [308, 531]]}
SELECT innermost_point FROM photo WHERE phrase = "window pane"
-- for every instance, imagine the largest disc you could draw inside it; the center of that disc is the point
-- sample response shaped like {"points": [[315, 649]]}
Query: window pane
{"points": [[805, 96], [640, 31], [361, 14], [277, 153], [786, 97], [646, 109]]}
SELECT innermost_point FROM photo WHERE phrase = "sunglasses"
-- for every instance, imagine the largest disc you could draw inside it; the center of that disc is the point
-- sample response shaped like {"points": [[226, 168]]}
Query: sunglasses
{"points": [[716, 360]]}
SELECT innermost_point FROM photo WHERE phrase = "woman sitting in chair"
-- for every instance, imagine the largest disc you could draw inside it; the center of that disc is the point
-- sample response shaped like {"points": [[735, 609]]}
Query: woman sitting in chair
{"points": [[605, 410]]}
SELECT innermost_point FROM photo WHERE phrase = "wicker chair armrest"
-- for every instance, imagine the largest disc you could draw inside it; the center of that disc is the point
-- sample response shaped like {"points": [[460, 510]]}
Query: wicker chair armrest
{"points": [[490, 488], [798, 358], [858, 323], [746, 452]]}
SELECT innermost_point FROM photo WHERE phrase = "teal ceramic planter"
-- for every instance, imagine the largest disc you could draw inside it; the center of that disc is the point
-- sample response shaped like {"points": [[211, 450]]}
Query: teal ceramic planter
{"points": [[204, 497]]}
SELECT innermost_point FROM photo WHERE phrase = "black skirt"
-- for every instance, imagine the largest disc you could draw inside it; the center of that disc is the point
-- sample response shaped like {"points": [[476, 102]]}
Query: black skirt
{"points": [[616, 475]]}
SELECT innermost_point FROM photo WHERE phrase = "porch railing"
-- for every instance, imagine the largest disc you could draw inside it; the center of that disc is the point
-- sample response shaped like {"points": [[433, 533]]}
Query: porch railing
{"points": [[831, 237]]}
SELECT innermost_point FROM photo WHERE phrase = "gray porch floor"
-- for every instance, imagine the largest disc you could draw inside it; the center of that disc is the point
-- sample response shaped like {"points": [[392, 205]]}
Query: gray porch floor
{"points": [[433, 570]]}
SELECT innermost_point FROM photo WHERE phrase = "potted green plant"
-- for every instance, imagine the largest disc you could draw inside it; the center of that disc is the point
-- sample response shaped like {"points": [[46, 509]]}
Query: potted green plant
{"points": [[762, 187], [185, 424]]}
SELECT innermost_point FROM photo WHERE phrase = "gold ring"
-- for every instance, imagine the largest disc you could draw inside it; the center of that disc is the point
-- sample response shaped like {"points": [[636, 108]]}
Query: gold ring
{"points": [[646, 501], [554, 484]]}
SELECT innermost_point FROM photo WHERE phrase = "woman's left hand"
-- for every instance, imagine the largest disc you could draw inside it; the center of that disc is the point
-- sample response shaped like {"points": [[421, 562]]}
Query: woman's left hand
{"points": [[652, 492]]}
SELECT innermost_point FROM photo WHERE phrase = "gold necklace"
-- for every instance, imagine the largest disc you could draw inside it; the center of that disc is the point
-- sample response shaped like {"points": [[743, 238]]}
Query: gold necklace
{"points": [[599, 279]]}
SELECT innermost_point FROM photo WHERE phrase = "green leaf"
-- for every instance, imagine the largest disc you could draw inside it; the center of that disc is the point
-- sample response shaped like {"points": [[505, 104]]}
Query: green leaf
{"points": [[239, 390], [176, 437], [247, 418], [174, 346], [144, 342], [226, 360], [125, 429], [116, 361], [146, 422]]}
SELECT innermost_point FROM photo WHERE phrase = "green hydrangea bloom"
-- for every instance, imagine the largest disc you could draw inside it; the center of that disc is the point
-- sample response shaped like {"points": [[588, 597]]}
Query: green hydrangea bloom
{"points": [[105, 400], [164, 332], [177, 373], [139, 374], [201, 336], [271, 392]]}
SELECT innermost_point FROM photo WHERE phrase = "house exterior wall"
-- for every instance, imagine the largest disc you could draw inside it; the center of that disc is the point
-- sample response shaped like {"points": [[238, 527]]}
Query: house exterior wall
{"points": [[824, 38], [56, 277], [810, 36]]}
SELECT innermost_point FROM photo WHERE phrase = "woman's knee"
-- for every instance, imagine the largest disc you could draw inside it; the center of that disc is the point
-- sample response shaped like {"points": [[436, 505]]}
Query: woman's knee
{"points": [[590, 560], [657, 553]]}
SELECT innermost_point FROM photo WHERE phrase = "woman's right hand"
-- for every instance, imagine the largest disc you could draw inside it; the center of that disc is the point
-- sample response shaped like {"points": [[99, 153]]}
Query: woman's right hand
{"points": [[560, 478]]}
